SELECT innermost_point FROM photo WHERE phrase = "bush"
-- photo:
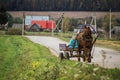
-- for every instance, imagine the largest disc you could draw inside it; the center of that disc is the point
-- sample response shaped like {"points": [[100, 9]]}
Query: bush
{"points": [[14, 32], [2, 32], [46, 30]]}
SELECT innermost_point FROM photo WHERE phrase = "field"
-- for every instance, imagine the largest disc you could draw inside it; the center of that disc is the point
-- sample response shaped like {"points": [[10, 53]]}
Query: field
{"points": [[57, 14], [21, 59], [109, 44]]}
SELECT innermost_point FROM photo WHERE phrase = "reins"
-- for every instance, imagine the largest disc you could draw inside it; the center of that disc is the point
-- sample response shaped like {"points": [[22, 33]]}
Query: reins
{"points": [[93, 46]]}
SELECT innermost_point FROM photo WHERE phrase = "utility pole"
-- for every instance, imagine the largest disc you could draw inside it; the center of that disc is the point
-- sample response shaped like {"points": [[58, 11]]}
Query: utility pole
{"points": [[110, 26], [23, 23], [95, 22], [62, 28], [62, 16], [85, 21], [52, 31], [52, 28]]}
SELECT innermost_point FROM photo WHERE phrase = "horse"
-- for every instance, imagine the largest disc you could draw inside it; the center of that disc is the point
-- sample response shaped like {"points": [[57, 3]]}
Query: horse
{"points": [[85, 44]]}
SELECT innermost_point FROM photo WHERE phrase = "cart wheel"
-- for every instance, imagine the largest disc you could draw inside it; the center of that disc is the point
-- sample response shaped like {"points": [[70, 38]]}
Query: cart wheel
{"points": [[61, 56], [67, 56], [79, 59], [83, 58]]}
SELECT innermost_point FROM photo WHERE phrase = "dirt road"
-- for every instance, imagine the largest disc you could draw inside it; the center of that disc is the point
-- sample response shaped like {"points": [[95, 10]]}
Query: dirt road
{"points": [[104, 57]]}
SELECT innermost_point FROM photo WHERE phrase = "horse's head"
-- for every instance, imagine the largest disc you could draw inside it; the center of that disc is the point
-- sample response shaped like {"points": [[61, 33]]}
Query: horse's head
{"points": [[86, 34], [86, 31]]}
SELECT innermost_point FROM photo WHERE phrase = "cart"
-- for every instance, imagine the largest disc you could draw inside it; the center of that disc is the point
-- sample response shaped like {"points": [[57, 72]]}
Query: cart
{"points": [[67, 53]]}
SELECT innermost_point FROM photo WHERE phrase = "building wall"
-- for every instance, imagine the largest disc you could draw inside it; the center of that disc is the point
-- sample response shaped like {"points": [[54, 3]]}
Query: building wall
{"points": [[45, 24], [50, 24]]}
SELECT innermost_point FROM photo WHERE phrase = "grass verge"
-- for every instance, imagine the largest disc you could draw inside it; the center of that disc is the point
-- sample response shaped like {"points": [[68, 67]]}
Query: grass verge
{"points": [[109, 44], [20, 59]]}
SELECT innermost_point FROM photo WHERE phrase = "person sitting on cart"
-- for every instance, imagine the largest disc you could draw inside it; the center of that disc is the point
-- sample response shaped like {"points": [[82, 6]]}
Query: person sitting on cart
{"points": [[73, 43]]}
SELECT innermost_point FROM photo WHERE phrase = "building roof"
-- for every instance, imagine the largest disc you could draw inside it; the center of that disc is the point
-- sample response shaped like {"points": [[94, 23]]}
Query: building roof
{"points": [[35, 27], [39, 26], [40, 23]]}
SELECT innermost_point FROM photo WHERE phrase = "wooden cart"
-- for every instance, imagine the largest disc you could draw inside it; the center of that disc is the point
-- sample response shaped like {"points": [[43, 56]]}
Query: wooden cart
{"points": [[67, 53]]}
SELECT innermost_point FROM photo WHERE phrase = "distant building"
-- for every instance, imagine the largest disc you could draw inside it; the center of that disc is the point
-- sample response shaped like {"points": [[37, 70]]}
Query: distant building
{"points": [[116, 30], [35, 28], [77, 28], [81, 26], [45, 24], [93, 26], [42, 21], [29, 19], [17, 26]]}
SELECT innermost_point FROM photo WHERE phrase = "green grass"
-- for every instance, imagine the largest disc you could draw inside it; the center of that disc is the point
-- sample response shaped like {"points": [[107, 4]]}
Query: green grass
{"points": [[20, 59], [109, 44], [50, 34], [2, 32], [38, 33]]}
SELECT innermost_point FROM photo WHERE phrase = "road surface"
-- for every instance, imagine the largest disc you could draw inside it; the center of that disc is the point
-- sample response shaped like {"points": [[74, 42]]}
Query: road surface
{"points": [[104, 57]]}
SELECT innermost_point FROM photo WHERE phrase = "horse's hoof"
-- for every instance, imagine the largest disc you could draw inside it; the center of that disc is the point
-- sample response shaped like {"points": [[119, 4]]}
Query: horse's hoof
{"points": [[78, 59], [89, 60], [91, 57]]}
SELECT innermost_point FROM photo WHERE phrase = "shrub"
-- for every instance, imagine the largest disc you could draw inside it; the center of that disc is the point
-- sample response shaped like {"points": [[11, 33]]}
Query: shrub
{"points": [[2, 32], [46, 30], [14, 32]]}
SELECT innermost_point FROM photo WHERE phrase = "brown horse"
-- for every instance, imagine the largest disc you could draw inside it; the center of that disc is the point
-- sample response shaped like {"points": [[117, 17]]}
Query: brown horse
{"points": [[85, 44]]}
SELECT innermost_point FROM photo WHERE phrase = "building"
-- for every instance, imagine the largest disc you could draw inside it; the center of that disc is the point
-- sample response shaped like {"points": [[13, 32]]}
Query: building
{"points": [[17, 26], [42, 21], [29, 19], [35, 28], [45, 24], [116, 30]]}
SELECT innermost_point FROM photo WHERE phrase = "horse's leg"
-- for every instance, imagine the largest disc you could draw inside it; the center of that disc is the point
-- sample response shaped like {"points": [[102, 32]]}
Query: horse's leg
{"points": [[89, 55], [84, 54], [90, 52], [79, 54]]}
